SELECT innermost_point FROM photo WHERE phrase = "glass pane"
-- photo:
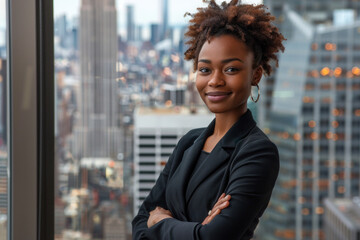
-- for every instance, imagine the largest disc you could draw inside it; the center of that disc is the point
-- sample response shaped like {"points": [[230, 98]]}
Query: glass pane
{"points": [[110, 58], [3, 126]]}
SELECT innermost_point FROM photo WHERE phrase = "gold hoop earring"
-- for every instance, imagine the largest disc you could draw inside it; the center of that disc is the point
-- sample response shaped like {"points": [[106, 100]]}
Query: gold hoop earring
{"points": [[258, 94]]}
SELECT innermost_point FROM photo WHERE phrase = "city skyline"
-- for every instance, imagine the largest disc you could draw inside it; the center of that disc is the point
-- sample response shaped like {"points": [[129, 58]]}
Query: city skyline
{"points": [[142, 14]]}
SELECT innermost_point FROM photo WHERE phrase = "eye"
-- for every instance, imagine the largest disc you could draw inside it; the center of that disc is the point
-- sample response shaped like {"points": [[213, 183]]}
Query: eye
{"points": [[231, 70], [204, 70]]}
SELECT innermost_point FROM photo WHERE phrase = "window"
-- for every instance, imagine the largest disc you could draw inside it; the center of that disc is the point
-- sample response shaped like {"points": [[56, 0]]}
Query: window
{"points": [[109, 61]]}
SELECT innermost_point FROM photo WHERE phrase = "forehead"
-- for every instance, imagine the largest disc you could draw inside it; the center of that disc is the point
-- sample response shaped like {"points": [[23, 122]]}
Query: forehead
{"points": [[225, 46]]}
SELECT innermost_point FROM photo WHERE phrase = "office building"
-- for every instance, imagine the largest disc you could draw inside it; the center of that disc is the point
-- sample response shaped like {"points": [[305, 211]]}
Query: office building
{"points": [[154, 33], [130, 23], [164, 18], [156, 132], [98, 133], [60, 30], [342, 218], [315, 122], [314, 12], [174, 95]]}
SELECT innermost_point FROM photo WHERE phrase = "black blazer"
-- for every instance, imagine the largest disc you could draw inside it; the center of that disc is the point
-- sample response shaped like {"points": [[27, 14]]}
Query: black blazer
{"points": [[244, 164]]}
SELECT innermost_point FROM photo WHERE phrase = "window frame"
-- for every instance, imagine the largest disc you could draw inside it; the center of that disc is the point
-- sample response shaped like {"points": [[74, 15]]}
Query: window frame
{"points": [[30, 119]]}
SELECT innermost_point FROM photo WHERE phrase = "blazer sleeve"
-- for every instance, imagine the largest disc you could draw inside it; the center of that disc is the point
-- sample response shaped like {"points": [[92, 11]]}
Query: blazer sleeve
{"points": [[252, 177]]}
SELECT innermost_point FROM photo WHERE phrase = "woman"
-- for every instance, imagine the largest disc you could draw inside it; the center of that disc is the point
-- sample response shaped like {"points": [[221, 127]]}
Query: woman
{"points": [[218, 181]]}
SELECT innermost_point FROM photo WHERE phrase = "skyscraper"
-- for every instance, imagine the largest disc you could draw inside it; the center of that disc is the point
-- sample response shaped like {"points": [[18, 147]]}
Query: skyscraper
{"points": [[314, 121], [130, 23], [154, 33], [314, 12], [98, 135], [164, 18]]}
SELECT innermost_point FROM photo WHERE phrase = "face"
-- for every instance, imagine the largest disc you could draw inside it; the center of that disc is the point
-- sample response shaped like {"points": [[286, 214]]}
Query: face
{"points": [[225, 75]]}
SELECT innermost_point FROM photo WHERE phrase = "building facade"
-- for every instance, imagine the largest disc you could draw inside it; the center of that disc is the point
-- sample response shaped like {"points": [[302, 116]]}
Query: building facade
{"points": [[97, 133], [342, 219], [156, 133], [314, 121], [130, 23], [315, 12]]}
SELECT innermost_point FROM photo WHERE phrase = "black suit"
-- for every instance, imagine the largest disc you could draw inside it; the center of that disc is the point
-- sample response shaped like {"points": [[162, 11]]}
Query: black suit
{"points": [[244, 164]]}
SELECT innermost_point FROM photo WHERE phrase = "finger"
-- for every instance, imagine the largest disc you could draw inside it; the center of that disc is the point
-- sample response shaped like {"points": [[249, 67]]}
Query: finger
{"points": [[222, 200], [221, 196], [211, 217], [205, 221], [221, 206]]}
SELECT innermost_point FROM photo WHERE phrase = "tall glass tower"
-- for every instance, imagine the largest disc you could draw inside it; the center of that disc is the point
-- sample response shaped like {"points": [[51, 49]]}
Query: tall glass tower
{"points": [[315, 122]]}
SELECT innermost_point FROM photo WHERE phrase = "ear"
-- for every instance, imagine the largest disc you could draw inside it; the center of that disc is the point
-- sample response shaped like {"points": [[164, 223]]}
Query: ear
{"points": [[258, 72]]}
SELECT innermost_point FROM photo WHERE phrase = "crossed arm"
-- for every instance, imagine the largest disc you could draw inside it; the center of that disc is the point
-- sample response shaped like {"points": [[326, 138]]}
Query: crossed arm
{"points": [[251, 180], [160, 213]]}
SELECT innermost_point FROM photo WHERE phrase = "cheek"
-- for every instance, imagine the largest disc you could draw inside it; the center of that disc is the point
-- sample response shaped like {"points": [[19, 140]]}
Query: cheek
{"points": [[199, 84]]}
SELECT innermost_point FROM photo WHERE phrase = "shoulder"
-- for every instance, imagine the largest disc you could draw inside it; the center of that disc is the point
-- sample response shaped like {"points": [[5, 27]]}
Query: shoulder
{"points": [[257, 140], [257, 148]]}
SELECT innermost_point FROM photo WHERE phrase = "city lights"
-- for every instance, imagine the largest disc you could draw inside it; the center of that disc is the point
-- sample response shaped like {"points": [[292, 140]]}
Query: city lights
{"points": [[356, 71], [325, 71], [330, 46], [337, 72]]}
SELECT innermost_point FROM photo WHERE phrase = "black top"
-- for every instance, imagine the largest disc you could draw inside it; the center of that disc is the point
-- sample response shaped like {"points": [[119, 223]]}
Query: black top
{"points": [[202, 157], [244, 164]]}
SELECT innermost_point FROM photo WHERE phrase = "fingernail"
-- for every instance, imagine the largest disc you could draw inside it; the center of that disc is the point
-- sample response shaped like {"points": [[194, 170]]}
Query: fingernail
{"points": [[227, 197]]}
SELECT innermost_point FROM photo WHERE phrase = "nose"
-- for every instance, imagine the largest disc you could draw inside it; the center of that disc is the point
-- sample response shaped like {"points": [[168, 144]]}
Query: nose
{"points": [[217, 79]]}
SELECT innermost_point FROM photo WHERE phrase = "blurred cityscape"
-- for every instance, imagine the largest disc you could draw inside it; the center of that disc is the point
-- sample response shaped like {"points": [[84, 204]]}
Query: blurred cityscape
{"points": [[123, 101]]}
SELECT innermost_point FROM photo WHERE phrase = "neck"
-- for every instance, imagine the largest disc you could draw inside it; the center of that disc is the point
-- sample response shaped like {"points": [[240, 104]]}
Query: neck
{"points": [[224, 122]]}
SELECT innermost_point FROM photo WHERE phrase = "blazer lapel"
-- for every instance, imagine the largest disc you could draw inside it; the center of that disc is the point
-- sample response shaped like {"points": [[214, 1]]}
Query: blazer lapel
{"points": [[216, 158], [221, 153], [180, 179]]}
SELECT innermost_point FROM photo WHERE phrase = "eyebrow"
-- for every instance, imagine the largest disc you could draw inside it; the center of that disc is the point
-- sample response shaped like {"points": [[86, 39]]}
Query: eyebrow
{"points": [[223, 61]]}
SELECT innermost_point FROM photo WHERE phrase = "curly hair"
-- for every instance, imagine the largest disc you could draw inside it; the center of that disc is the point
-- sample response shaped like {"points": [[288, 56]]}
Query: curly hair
{"points": [[251, 24]]}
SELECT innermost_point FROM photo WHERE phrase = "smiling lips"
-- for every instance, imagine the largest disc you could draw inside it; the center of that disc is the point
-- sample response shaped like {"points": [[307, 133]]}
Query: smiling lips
{"points": [[217, 96]]}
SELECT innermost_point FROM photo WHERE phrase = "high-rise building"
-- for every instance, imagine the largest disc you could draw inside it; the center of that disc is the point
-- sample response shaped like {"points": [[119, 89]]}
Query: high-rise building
{"points": [[313, 12], [314, 121], [156, 132], [139, 33], [61, 31], [342, 219], [98, 134], [317, 11], [154, 33], [165, 18], [130, 23]]}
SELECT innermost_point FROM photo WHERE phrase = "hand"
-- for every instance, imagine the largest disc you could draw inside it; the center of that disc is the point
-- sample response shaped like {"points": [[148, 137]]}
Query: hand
{"points": [[222, 203], [157, 215]]}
